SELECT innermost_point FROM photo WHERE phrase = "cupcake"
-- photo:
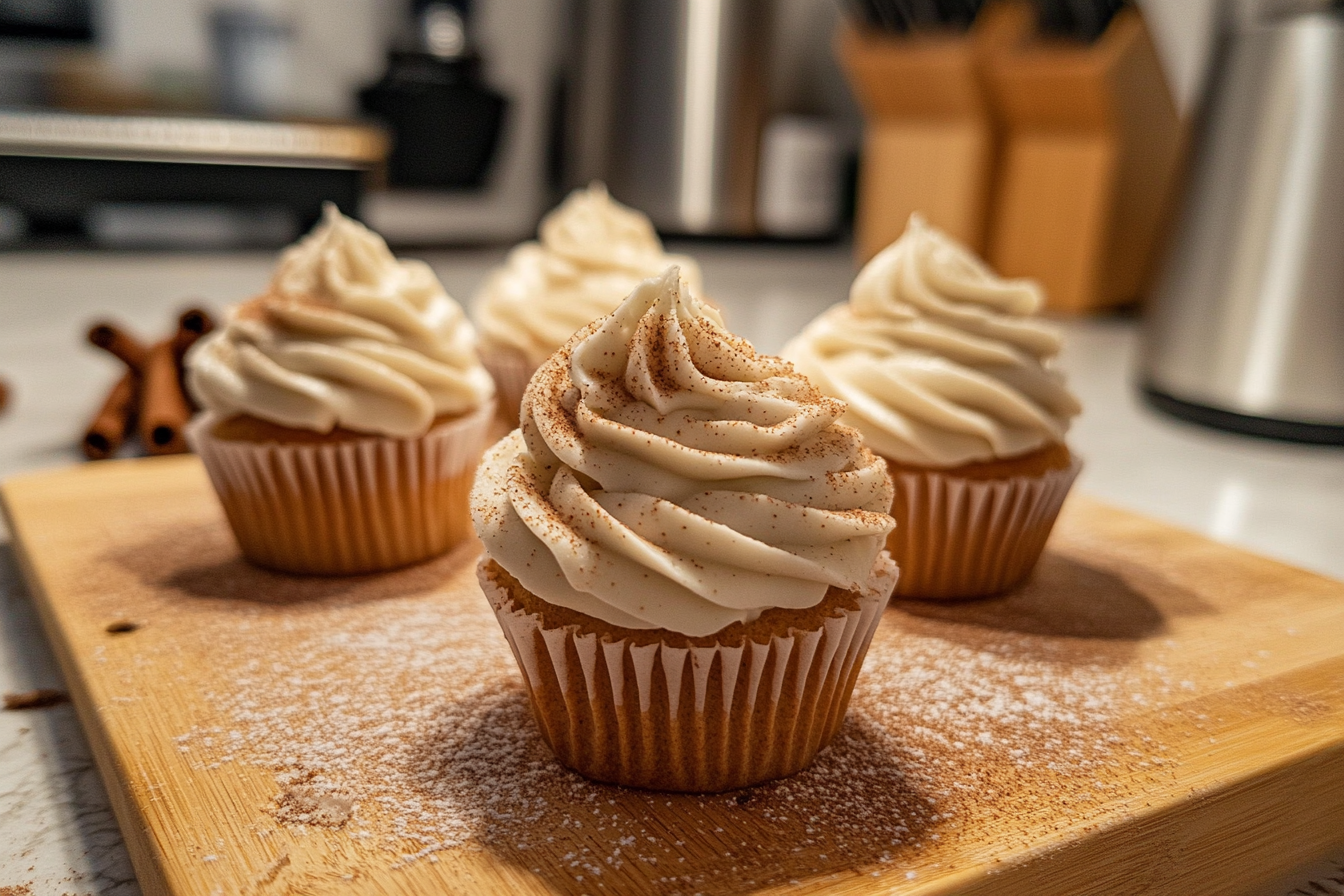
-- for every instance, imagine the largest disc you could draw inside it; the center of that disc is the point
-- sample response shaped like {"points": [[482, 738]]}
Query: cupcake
{"points": [[591, 253], [949, 376], [684, 549], [345, 409]]}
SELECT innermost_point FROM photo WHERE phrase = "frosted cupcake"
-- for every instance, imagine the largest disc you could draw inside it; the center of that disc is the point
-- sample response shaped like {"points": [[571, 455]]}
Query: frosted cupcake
{"points": [[591, 253], [949, 376], [684, 549], [345, 409]]}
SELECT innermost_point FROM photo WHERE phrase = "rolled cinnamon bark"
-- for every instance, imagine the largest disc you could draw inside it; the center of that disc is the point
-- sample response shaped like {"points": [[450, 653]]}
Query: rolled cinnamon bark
{"points": [[4, 396], [191, 325], [111, 338], [113, 420], [164, 411]]}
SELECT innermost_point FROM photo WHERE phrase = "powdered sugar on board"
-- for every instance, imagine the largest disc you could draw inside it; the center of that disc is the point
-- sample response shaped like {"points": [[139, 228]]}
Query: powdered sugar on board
{"points": [[1129, 628], [401, 721]]}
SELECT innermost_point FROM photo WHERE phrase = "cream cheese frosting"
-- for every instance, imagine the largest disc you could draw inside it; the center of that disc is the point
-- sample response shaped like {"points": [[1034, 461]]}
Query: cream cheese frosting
{"points": [[591, 253], [346, 335], [665, 475], [940, 361]]}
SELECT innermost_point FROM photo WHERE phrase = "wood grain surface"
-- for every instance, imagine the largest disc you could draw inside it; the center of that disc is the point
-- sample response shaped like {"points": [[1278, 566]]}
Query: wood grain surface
{"points": [[1153, 712]]}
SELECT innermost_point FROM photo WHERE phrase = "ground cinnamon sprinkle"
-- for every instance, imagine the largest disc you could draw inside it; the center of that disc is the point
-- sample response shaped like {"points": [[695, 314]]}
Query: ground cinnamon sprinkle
{"points": [[402, 721], [398, 694]]}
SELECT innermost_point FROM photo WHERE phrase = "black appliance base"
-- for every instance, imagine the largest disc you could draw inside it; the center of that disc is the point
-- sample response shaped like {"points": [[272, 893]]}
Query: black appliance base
{"points": [[1264, 427], [56, 193]]}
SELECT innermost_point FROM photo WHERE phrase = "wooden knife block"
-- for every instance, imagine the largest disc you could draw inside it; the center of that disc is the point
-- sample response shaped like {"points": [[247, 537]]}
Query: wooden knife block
{"points": [[930, 140], [1053, 160], [1092, 145]]}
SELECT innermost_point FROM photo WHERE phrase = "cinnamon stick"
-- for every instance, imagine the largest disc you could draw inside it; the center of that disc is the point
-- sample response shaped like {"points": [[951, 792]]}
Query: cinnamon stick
{"points": [[191, 325], [4, 396], [164, 411], [41, 698], [113, 420], [111, 338]]}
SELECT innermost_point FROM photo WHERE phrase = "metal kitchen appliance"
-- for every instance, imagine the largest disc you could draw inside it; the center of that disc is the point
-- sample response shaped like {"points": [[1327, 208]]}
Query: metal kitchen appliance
{"points": [[444, 118], [519, 43], [1246, 327], [174, 180], [688, 93]]}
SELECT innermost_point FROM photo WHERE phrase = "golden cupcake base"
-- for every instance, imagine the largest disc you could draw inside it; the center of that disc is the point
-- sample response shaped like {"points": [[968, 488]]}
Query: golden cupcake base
{"points": [[345, 504], [979, 529], [511, 372], [657, 710]]}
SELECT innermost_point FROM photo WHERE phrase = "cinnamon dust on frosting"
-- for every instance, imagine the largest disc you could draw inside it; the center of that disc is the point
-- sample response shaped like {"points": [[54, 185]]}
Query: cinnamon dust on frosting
{"points": [[665, 475], [346, 335], [941, 362], [590, 253]]}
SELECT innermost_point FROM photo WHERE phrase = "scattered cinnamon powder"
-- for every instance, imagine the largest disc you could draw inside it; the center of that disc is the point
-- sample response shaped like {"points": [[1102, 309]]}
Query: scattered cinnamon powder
{"points": [[398, 693], [313, 804], [404, 722]]}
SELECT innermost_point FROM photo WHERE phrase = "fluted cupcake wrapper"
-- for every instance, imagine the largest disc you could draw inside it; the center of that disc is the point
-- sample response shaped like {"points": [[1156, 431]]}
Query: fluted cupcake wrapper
{"points": [[346, 507], [700, 719], [511, 372], [958, 537]]}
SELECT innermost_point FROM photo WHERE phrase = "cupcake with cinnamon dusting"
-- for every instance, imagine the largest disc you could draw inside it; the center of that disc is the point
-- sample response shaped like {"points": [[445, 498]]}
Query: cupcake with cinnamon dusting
{"points": [[949, 375], [590, 253], [684, 549], [345, 409]]}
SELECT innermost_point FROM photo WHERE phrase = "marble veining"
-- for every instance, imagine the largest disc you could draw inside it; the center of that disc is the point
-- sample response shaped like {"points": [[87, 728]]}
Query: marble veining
{"points": [[57, 831]]}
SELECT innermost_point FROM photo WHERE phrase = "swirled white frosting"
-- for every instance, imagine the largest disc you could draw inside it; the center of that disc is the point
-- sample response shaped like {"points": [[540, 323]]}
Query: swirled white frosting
{"points": [[939, 360], [346, 335], [591, 253], [667, 476]]}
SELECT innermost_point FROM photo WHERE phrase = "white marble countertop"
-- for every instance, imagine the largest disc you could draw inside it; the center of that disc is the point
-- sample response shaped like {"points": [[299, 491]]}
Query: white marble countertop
{"points": [[1286, 501]]}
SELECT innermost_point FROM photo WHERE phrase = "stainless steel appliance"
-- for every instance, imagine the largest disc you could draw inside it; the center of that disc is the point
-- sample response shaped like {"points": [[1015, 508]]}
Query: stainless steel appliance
{"points": [[1246, 326], [139, 179], [690, 100]]}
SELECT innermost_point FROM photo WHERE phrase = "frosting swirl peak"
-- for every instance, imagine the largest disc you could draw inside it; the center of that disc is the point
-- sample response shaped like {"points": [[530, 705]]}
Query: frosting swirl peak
{"points": [[346, 335], [940, 361], [665, 475], [591, 253]]}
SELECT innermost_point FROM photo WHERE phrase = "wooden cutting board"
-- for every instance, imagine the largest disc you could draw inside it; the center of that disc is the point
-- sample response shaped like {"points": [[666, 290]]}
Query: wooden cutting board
{"points": [[1153, 713]]}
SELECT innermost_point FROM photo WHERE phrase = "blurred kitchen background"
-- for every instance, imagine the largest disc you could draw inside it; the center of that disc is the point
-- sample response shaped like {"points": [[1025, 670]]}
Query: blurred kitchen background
{"points": [[138, 122], [1178, 155], [1183, 154]]}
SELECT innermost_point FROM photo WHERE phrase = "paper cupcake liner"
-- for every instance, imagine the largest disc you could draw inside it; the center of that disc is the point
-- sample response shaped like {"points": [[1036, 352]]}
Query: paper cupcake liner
{"points": [[346, 507], [699, 719], [958, 537], [511, 371]]}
